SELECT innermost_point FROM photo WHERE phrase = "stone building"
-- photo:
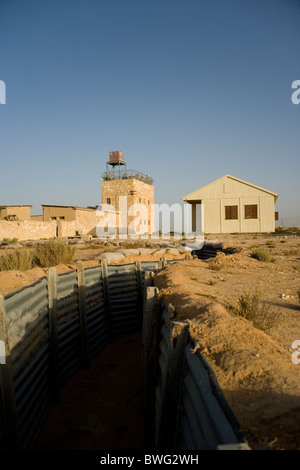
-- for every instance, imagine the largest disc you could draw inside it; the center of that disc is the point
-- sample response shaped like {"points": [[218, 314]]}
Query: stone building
{"points": [[73, 220], [129, 194], [21, 212]]}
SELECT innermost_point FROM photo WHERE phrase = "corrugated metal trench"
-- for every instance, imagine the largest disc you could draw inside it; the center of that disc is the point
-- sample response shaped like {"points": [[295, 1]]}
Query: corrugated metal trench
{"points": [[60, 326]]}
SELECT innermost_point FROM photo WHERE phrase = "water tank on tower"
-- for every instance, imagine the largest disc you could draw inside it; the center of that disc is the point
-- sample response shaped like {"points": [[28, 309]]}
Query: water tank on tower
{"points": [[116, 157]]}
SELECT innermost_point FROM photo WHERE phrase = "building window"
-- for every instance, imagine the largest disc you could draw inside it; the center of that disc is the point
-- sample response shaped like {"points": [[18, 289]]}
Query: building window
{"points": [[53, 218], [108, 200], [140, 199], [148, 202], [251, 211], [231, 212], [62, 218]]}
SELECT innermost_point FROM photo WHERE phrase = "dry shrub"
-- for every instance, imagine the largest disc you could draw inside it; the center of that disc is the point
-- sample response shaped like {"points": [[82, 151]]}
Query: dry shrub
{"points": [[261, 315], [262, 255], [19, 260], [53, 253], [9, 241]]}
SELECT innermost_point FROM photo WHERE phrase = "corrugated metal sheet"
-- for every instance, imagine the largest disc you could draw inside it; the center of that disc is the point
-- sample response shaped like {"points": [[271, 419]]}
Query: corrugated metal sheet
{"points": [[204, 425], [205, 421], [27, 317]]}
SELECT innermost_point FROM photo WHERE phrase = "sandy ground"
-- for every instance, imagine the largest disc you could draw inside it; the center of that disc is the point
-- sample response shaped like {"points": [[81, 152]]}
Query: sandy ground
{"points": [[254, 367], [100, 407]]}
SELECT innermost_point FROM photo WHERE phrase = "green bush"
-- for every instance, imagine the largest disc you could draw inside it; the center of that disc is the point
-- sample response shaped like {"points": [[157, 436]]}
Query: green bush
{"points": [[262, 255], [53, 253], [19, 260]]}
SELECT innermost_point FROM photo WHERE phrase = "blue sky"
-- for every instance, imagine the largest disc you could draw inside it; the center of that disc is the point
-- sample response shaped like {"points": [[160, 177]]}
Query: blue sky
{"points": [[189, 90]]}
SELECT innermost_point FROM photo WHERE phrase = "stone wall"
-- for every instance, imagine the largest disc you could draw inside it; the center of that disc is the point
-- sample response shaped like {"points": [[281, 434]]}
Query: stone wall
{"points": [[66, 229], [27, 230], [137, 192]]}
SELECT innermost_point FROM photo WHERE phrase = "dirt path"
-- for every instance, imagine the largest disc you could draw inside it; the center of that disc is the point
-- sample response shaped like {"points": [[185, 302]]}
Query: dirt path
{"points": [[100, 407]]}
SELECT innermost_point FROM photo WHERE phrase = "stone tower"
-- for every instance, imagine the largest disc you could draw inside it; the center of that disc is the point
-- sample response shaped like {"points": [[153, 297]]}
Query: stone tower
{"points": [[130, 194]]}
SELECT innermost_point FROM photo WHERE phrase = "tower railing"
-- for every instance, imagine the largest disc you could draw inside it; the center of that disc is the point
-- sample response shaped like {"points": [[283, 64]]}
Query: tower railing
{"points": [[112, 174]]}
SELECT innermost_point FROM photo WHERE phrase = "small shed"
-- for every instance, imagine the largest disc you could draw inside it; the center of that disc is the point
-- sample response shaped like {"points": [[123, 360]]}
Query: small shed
{"points": [[14, 212], [231, 205]]}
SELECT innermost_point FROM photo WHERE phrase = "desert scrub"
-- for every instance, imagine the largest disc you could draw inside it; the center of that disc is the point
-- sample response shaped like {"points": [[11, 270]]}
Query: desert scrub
{"points": [[262, 255], [291, 252], [53, 253], [214, 266], [9, 241], [261, 315], [298, 294], [19, 260], [271, 244]]}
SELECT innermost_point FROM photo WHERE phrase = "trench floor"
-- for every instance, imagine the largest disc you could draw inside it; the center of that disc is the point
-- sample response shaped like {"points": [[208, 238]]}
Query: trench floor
{"points": [[100, 407]]}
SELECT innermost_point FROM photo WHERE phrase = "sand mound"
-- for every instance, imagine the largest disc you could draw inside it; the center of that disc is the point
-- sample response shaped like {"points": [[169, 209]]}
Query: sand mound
{"points": [[254, 369]]}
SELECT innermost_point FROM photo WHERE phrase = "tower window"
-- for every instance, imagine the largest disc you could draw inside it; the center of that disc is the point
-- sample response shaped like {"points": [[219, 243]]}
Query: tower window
{"points": [[108, 200]]}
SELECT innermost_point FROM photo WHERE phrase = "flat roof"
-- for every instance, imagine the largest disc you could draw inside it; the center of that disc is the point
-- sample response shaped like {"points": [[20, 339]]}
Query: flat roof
{"points": [[15, 205], [87, 208]]}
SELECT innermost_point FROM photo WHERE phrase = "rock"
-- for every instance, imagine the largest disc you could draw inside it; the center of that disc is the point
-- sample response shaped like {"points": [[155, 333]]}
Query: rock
{"points": [[128, 251], [172, 251], [112, 257], [146, 251], [160, 252], [15, 245], [184, 249]]}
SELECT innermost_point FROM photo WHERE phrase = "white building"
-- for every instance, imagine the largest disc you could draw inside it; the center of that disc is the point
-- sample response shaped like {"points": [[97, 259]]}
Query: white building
{"points": [[233, 205]]}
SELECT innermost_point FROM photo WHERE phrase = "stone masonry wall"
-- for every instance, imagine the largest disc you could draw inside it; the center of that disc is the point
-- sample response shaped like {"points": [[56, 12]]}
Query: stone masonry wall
{"points": [[27, 230], [137, 192]]}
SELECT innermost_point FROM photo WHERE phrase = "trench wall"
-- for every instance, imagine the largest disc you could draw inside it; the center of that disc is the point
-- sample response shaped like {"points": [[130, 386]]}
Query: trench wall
{"points": [[55, 326]]}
